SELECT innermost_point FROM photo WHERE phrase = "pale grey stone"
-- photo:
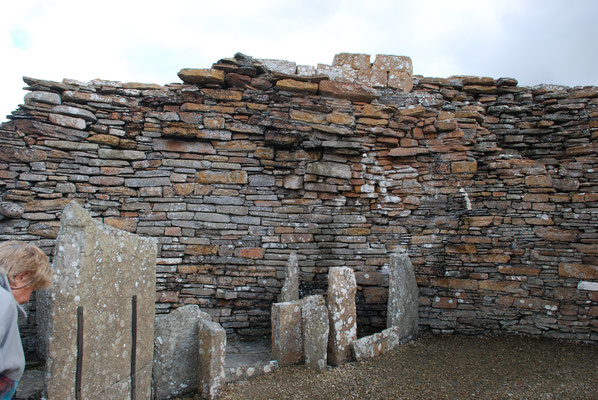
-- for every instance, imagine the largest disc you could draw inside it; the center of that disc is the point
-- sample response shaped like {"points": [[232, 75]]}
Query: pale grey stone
{"points": [[349, 219], [121, 154], [293, 182], [147, 182], [194, 164], [42, 97], [287, 342], [280, 66], [262, 180], [306, 70], [314, 316], [176, 351], [374, 345], [74, 112], [212, 353], [587, 285], [342, 314], [11, 210], [330, 169], [403, 296], [67, 122], [290, 289], [99, 268]]}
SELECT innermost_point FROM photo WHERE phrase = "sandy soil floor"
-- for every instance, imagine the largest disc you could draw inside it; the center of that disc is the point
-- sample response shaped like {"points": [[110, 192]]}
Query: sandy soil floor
{"points": [[443, 367]]}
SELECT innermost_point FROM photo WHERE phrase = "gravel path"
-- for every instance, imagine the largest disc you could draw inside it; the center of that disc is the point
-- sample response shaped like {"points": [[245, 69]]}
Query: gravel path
{"points": [[444, 367]]}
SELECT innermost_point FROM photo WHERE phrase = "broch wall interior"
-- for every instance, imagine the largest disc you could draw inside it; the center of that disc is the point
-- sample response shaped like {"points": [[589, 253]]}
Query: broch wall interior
{"points": [[491, 188]]}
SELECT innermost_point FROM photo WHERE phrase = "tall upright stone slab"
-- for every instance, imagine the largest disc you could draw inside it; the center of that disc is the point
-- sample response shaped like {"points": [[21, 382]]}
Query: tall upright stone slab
{"points": [[90, 312], [314, 318], [403, 296], [211, 354], [176, 361], [287, 341], [342, 314], [290, 289]]}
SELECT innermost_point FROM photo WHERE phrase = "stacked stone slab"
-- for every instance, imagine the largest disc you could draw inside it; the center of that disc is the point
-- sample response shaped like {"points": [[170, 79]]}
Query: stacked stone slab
{"points": [[342, 314], [486, 184], [403, 296], [97, 272], [177, 365]]}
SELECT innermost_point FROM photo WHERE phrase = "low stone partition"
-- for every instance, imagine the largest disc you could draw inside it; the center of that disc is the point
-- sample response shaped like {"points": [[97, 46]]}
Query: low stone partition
{"points": [[316, 328], [212, 352], [342, 315], [287, 339]]}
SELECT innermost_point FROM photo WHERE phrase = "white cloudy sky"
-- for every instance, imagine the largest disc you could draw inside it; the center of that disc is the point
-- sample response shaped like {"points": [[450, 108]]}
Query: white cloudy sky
{"points": [[534, 41]]}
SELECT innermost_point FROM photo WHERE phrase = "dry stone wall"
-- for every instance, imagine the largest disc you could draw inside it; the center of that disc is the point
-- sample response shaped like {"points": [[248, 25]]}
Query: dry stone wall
{"points": [[491, 188]]}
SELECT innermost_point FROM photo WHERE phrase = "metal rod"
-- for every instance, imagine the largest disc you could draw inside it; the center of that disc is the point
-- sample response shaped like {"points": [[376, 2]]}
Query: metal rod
{"points": [[133, 345], [79, 370]]}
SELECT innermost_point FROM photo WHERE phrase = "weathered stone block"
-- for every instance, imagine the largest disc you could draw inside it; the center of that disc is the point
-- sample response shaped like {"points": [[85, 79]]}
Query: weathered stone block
{"points": [[176, 352], [374, 345], [280, 66], [353, 60], [212, 353], [68, 122], [393, 63], [403, 296], [99, 269], [287, 342], [238, 177], [296, 86], [314, 316], [342, 314], [74, 112], [331, 169], [349, 91], [42, 97], [401, 80], [337, 73], [372, 77], [201, 76], [290, 289]]}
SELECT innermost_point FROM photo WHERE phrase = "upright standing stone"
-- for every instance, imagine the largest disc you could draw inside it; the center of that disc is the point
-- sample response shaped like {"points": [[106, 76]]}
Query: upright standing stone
{"points": [[403, 296], [212, 353], [314, 317], [290, 289], [97, 271], [287, 342], [176, 362], [343, 318]]}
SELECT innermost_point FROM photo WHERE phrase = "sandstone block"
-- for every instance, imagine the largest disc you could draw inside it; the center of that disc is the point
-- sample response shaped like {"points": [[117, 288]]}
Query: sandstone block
{"points": [[340, 118], [280, 66], [287, 342], [314, 316], [581, 271], [393, 63], [201, 76], [67, 122], [74, 112], [400, 80], [403, 297], [231, 177], [176, 361], [464, 167], [212, 352], [353, 60], [342, 314], [42, 97], [296, 86], [290, 289], [306, 116], [337, 73], [97, 271], [349, 91], [331, 169], [374, 345]]}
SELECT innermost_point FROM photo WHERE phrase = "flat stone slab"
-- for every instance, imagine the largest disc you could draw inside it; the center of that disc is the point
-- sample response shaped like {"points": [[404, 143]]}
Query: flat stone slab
{"points": [[403, 296], [374, 345], [287, 341], [97, 271], [290, 289], [342, 314], [314, 316], [176, 361], [211, 354]]}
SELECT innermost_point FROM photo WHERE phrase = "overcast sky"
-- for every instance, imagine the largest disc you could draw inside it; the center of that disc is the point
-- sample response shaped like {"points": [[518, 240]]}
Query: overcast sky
{"points": [[534, 41]]}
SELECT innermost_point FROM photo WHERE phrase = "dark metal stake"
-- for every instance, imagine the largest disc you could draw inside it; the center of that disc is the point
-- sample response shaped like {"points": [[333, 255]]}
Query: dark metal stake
{"points": [[133, 345], [79, 370]]}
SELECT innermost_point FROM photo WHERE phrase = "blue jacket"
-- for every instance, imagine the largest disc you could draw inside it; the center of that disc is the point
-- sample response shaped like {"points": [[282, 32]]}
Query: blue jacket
{"points": [[12, 358]]}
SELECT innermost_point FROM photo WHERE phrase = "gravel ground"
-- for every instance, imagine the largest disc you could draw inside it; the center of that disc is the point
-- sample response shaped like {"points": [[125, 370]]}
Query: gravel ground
{"points": [[443, 367]]}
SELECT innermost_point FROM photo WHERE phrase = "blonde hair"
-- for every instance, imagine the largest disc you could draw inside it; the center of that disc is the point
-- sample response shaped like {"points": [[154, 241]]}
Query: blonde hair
{"points": [[18, 257]]}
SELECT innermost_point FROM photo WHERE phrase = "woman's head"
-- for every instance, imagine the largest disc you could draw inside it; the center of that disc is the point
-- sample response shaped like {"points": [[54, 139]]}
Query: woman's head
{"points": [[26, 267]]}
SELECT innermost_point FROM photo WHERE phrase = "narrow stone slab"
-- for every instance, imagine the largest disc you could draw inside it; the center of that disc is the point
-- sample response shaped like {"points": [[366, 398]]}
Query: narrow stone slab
{"points": [[176, 351], [403, 296], [212, 353], [349, 91], [287, 342], [342, 314], [290, 289], [374, 345], [314, 316], [100, 269], [201, 76]]}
